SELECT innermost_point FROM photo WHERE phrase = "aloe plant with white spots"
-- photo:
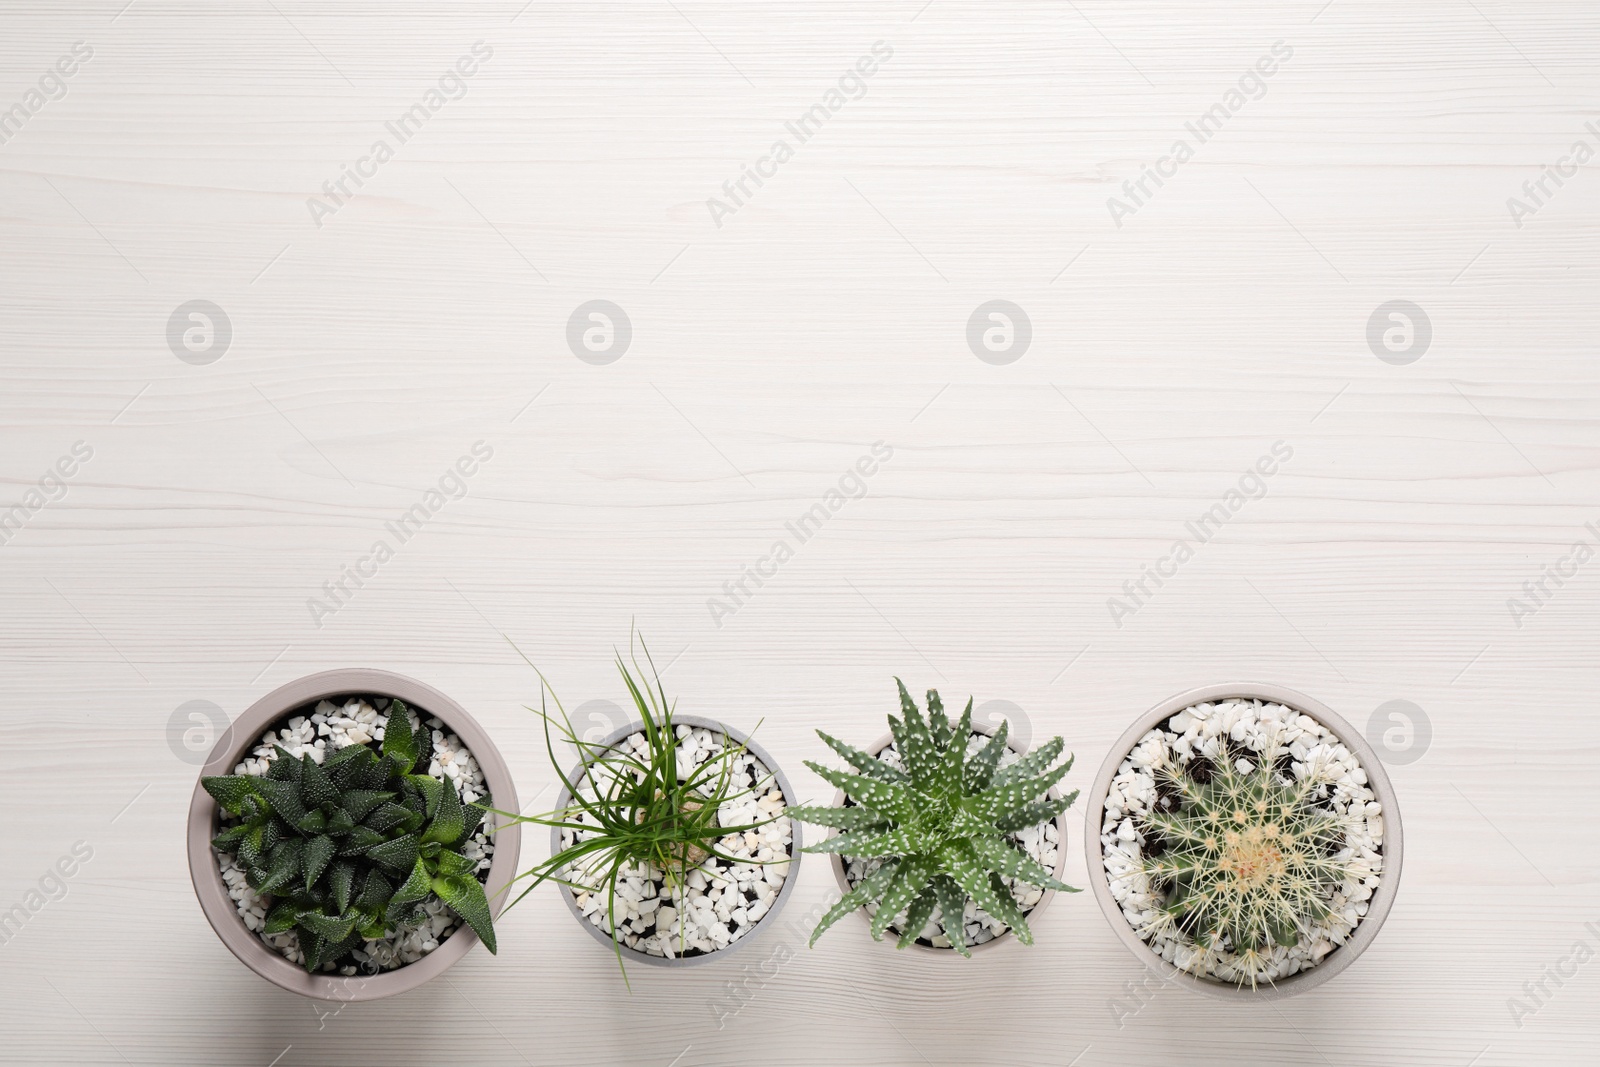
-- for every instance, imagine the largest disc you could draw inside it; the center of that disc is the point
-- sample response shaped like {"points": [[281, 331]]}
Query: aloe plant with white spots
{"points": [[941, 823], [353, 847]]}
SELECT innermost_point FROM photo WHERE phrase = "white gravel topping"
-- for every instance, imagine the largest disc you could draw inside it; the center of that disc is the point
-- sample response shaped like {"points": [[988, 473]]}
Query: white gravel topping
{"points": [[1273, 732], [330, 727], [722, 901], [1040, 842]]}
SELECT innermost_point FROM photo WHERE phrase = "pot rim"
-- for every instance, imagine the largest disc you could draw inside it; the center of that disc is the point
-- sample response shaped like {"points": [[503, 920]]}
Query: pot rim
{"points": [[1377, 777], [632, 954], [243, 734], [1010, 935]]}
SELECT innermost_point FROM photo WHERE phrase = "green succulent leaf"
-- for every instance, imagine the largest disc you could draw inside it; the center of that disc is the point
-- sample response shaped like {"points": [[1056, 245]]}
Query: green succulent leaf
{"points": [[315, 947], [896, 801], [952, 762], [870, 888], [1006, 859], [431, 789], [414, 802], [397, 855], [341, 761], [282, 918], [917, 915], [952, 907], [938, 721], [984, 887], [284, 767], [250, 851], [910, 879], [451, 863], [1034, 813], [283, 865], [415, 888], [1034, 763], [399, 743], [315, 857], [375, 891], [1010, 912], [856, 818], [341, 882], [869, 844], [357, 803], [359, 841], [865, 764], [372, 773], [913, 738], [228, 840], [982, 764], [316, 788], [473, 815], [1004, 798], [963, 823], [284, 797], [449, 821], [331, 928], [465, 896], [229, 791], [387, 817]]}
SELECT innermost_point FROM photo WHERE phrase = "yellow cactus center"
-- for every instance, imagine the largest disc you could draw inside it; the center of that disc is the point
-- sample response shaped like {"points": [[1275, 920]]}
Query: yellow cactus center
{"points": [[1253, 858]]}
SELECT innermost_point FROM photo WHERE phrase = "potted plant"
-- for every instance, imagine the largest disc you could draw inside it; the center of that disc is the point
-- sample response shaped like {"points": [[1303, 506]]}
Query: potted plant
{"points": [[939, 820], [1244, 841], [338, 840], [670, 840]]}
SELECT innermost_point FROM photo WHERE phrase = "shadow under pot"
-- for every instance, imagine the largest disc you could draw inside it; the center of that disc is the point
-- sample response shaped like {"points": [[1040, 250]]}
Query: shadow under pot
{"points": [[327, 713], [1244, 841], [724, 906], [982, 931]]}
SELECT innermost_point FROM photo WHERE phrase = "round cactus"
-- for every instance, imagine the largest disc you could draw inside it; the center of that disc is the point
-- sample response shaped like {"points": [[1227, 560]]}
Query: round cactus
{"points": [[1244, 856]]}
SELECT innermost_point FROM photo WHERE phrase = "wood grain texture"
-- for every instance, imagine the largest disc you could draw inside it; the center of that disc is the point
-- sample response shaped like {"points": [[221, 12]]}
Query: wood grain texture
{"points": [[828, 312]]}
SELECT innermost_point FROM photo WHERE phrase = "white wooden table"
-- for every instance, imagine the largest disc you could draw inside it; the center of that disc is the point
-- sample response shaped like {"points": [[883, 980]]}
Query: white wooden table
{"points": [[376, 338]]}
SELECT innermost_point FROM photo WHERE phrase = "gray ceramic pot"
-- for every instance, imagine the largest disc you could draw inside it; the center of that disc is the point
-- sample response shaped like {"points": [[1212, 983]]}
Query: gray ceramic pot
{"points": [[1378, 907], [766, 922], [1049, 894], [244, 734]]}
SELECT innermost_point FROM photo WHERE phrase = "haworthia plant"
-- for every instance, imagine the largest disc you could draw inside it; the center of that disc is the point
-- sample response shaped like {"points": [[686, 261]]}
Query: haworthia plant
{"points": [[941, 823], [353, 847], [1242, 859]]}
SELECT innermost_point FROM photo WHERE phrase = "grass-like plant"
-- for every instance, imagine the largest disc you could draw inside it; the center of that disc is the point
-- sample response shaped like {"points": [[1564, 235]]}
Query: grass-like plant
{"points": [[1241, 860], [353, 847], [940, 823], [631, 811]]}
